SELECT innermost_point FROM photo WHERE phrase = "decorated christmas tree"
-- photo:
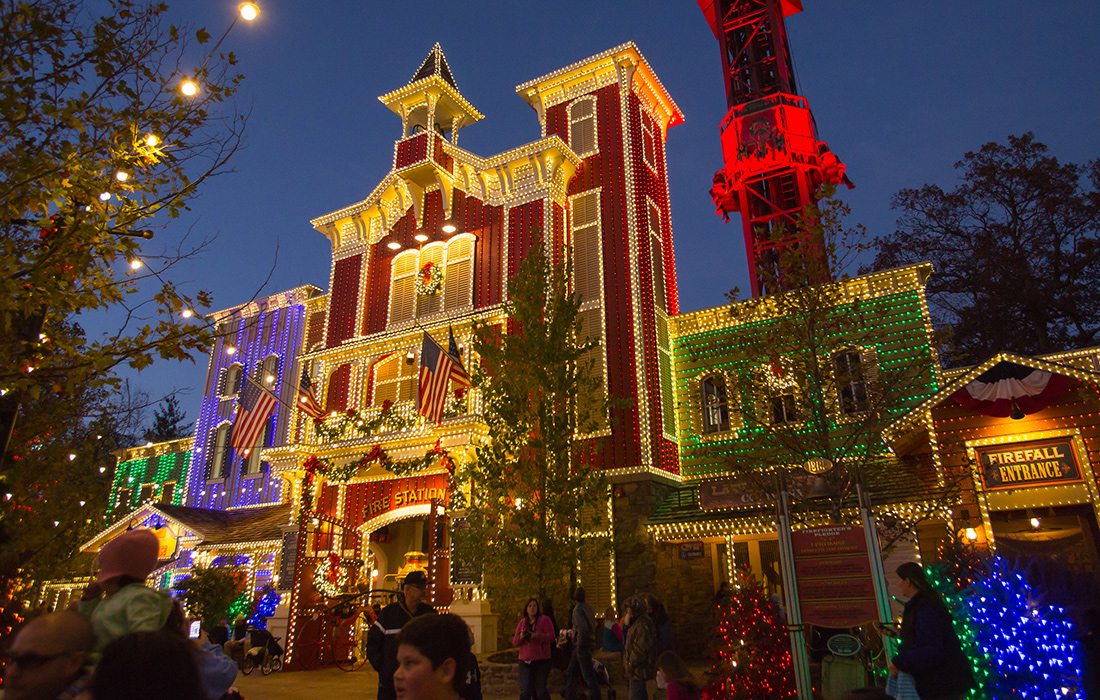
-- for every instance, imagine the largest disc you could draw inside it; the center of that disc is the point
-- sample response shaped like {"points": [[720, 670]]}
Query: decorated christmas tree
{"points": [[1030, 645], [960, 566], [754, 649]]}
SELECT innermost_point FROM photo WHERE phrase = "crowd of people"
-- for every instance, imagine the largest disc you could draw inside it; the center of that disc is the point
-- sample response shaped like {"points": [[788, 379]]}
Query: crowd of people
{"points": [[126, 641]]}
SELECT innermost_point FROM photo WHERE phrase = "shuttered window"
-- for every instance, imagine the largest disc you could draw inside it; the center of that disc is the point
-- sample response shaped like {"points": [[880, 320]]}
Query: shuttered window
{"points": [[222, 454], [664, 370], [458, 282], [586, 247], [455, 258], [656, 256], [394, 380], [403, 288], [649, 141], [582, 126]]}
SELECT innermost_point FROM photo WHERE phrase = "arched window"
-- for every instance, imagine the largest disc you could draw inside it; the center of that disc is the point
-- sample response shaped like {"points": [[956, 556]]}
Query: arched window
{"points": [[252, 462], [455, 259], [234, 375], [716, 410], [582, 126], [339, 385], [269, 372], [222, 454], [851, 384]]}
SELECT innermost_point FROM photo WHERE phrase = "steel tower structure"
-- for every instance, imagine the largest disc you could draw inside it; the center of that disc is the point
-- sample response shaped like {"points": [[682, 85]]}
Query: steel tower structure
{"points": [[774, 162]]}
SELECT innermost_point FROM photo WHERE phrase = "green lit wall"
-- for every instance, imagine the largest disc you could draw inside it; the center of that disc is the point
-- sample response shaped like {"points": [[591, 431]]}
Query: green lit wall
{"points": [[131, 475], [893, 323]]}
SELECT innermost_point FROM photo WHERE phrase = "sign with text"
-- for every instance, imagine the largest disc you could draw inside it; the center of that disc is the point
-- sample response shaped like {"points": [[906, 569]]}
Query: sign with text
{"points": [[834, 576], [691, 550], [367, 500], [1022, 464]]}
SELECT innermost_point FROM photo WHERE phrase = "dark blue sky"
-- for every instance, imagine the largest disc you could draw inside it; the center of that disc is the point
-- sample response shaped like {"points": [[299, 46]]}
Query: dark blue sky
{"points": [[899, 90]]}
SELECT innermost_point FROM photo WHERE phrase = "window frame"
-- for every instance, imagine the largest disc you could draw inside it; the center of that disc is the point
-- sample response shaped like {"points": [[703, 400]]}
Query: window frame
{"points": [[234, 371], [221, 453], [446, 306], [595, 304], [649, 139], [572, 121], [705, 423], [863, 381]]}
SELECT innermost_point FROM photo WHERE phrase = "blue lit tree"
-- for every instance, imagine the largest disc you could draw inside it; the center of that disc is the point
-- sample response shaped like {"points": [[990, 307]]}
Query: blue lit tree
{"points": [[1031, 646]]}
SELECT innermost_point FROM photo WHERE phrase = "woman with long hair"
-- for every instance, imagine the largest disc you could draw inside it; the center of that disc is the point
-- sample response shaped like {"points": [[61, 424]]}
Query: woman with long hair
{"points": [[534, 635], [930, 650]]}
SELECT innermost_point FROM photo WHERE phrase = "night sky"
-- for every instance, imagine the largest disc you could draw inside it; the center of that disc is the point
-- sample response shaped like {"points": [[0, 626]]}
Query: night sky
{"points": [[899, 91]]}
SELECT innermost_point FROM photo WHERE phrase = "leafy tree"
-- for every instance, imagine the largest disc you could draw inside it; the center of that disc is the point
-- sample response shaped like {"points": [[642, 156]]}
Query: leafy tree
{"points": [[209, 591], [529, 491], [168, 422], [1014, 246], [55, 489], [97, 147]]}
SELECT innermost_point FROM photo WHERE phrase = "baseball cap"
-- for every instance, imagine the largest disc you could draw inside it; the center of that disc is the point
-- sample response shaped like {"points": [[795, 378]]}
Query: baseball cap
{"points": [[415, 578]]}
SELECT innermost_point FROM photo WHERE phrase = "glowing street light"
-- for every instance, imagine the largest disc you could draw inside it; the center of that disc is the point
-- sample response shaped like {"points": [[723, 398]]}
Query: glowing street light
{"points": [[248, 11], [152, 140], [136, 264], [189, 87], [122, 176], [187, 313]]}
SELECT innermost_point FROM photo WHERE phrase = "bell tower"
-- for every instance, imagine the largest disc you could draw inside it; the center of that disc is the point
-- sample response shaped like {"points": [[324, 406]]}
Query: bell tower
{"points": [[774, 162]]}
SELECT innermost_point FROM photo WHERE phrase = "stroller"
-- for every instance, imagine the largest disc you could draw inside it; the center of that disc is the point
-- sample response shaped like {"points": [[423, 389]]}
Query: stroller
{"points": [[603, 676], [264, 652]]}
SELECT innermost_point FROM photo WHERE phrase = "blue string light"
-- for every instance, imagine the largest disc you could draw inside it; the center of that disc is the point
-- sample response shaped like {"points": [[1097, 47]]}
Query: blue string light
{"points": [[265, 608]]}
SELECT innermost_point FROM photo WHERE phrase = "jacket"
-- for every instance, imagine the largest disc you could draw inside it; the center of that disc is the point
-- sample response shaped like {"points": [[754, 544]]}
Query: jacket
{"points": [[537, 646], [382, 638], [584, 626], [930, 649], [640, 650], [134, 608]]}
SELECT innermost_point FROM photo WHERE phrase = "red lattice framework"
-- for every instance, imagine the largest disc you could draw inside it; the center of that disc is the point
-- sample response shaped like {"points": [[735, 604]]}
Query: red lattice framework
{"points": [[774, 162]]}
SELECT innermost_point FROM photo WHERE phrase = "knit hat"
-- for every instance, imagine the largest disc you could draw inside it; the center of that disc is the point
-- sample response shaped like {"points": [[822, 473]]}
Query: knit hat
{"points": [[415, 578], [133, 553]]}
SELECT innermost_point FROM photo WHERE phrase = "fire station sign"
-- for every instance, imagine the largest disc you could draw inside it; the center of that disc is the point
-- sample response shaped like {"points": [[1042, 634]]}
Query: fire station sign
{"points": [[1023, 464]]}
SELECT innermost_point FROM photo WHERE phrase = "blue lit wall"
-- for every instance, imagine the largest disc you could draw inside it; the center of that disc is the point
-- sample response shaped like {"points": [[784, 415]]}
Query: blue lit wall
{"points": [[272, 326]]}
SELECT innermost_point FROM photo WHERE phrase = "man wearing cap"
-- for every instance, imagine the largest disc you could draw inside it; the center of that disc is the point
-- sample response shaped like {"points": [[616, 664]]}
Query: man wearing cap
{"points": [[382, 638]]}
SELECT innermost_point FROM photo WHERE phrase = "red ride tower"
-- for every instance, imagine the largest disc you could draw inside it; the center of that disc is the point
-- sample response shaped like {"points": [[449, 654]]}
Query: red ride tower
{"points": [[774, 162]]}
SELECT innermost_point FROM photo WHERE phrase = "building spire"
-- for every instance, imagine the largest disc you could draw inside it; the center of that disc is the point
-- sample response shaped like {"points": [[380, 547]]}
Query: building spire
{"points": [[435, 64]]}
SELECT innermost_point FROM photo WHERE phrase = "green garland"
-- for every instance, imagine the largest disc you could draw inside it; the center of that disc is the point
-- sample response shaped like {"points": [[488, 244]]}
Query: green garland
{"points": [[318, 466], [387, 421]]}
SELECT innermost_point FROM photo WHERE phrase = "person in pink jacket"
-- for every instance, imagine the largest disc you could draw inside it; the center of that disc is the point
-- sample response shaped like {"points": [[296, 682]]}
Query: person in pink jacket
{"points": [[534, 635]]}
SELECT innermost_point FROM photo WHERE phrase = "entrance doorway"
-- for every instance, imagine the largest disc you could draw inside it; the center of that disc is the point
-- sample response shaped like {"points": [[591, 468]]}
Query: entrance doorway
{"points": [[395, 549]]}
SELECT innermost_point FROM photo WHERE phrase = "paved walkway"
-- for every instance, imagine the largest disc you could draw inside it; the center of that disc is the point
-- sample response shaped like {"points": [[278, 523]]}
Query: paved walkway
{"points": [[323, 684]]}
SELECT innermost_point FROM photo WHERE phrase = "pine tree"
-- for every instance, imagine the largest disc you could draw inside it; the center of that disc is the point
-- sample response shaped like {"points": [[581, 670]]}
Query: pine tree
{"points": [[754, 650], [1031, 646], [528, 490], [168, 422]]}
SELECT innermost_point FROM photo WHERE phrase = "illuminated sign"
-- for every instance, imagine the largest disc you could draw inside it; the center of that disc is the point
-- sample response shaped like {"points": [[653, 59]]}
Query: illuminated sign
{"points": [[1021, 464]]}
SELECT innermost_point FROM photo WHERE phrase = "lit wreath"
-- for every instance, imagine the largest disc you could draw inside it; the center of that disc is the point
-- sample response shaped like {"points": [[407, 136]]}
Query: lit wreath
{"points": [[429, 280], [330, 579]]}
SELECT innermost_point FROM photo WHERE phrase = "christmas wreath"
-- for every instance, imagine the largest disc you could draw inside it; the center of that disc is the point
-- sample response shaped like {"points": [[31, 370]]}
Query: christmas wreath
{"points": [[330, 577], [429, 280], [386, 421]]}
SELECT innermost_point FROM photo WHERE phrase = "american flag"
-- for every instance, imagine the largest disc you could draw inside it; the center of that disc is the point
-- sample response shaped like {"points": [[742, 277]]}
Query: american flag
{"points": [[307, 400], [437, 370], [253, 409]]}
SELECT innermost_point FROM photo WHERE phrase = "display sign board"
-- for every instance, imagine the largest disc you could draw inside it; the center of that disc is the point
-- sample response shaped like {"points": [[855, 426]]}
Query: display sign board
{"points": [[691, 550], [834, 576], [727, 494], [463, 572], [1023, 464]]}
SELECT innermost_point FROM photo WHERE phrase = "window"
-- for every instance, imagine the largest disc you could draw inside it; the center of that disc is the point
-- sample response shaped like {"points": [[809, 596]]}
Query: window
{"points": [[587, 266], [657, 256], [394, 380], [234, 376], [582, 126], [167, 491], [716, 410], [221, 455], [269, 372], [146, 492], [124, 496], [784, 408], [851, 385], [455, 258], [252, 462], [649, 141]]}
